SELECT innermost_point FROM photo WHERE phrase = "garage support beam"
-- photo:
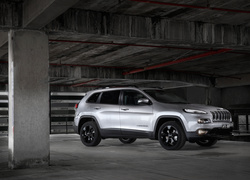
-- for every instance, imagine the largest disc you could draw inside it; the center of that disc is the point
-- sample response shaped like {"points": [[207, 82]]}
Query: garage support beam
{"points": [[28, 99], [37, 13]]}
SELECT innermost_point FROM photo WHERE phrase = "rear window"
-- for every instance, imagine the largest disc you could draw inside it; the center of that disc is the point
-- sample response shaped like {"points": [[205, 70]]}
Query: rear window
{"points": [[93, 98]]}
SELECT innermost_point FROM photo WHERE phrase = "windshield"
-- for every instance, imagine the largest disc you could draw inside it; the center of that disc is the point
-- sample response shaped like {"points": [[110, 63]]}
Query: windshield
{"points": [[164, 96]]}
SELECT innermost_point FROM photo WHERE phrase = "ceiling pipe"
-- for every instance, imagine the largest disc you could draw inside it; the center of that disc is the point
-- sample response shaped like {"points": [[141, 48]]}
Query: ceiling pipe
{"points": [[177, 61], [86, 82], [193, 6]]}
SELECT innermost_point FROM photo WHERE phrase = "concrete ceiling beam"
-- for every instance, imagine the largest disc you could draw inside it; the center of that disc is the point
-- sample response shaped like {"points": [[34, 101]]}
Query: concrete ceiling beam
{"points": [[178, 77], [185, 33], [193, 6], [37, 13], [94, 73], [11, 14]]}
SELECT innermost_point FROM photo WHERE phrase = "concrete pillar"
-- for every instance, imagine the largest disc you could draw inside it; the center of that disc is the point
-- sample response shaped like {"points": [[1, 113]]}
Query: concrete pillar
{"points": [[28, 99]]}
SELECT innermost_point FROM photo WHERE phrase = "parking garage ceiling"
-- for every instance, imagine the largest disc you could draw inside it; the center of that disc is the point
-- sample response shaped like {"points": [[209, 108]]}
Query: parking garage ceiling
{"points": [[166, 43]]}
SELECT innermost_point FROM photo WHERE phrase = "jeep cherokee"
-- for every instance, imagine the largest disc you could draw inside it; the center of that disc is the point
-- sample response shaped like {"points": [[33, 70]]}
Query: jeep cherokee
{"points": [[128, 113]]}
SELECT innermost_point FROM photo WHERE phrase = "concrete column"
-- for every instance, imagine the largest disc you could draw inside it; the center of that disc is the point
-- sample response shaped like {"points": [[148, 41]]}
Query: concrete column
{"points": [[28, 99]]}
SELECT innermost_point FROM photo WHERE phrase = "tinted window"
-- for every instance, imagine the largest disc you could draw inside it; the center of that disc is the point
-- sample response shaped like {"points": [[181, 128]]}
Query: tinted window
{"points": [[93, 98], [110, 97], [165, 97], [131, 97]]}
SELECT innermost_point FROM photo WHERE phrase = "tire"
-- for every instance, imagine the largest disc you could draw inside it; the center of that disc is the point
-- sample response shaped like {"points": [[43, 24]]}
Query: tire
{"points": [[127, 140], [171, 136], [89, 134], [207, 142]]}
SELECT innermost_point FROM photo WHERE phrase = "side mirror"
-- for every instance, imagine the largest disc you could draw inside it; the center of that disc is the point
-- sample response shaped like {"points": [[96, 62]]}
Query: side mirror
{"points": [[143, 101]]}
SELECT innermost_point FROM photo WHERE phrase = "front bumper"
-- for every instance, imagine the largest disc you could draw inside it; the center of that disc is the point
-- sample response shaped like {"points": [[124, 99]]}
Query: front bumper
{"points": [[218, 133]]}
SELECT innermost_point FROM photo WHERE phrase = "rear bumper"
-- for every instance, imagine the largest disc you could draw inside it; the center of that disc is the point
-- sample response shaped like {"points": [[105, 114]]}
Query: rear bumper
{"points": [[217, 133], [75, 128]]}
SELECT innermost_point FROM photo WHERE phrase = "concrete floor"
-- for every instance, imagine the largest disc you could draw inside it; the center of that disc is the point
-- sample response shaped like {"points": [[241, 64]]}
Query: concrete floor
{"points": [[145, 159]]}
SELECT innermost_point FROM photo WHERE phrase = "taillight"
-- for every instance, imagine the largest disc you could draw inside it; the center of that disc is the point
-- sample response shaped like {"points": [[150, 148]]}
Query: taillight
{"points": [[76, 105]]}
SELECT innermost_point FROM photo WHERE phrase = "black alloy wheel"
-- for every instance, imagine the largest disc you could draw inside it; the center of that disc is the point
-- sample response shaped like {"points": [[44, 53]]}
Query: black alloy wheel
{"points": [[171, 136], [89, 134]]}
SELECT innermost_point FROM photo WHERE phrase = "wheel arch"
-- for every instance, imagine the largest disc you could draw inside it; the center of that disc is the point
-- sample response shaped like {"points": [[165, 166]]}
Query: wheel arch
{"points": [[85, 119], [162, 119]]}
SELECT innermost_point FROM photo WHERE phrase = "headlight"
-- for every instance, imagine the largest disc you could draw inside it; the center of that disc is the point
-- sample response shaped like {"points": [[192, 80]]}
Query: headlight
{"points": [[195, 111]]}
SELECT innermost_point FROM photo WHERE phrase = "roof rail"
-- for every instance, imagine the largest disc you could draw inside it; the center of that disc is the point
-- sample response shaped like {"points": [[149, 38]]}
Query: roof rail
{"points": [[113, 86]]}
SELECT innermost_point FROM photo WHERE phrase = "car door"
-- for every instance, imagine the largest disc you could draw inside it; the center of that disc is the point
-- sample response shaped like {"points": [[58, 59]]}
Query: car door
{"points": [[135, 117], [106, 110]]}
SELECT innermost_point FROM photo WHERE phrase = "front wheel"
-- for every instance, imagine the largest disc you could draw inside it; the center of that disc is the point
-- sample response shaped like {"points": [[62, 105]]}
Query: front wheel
{"points": [[89, 134], [127, 140], [171, 136], [207, 142]]}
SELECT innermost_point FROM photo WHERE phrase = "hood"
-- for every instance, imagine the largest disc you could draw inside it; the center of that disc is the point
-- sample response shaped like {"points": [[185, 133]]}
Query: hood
{"points": [[201, 107]]}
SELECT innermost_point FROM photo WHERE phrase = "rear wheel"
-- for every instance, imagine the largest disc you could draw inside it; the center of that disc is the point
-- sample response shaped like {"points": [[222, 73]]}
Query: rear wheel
{"points": [[207, 142], [127, 140], [171, 136], [89, 134]]}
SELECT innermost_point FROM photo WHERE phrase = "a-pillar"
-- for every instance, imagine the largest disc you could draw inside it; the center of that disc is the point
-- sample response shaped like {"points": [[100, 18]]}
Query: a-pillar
{"points": [[28, 99]]}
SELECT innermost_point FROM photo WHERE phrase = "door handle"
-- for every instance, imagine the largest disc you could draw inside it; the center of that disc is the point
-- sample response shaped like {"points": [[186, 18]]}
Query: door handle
{"points": [[124, 109], [97, 108]]}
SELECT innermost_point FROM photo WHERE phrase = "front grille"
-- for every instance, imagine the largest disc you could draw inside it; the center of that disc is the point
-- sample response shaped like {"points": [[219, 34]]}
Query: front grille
{"points": [[223, 116]]}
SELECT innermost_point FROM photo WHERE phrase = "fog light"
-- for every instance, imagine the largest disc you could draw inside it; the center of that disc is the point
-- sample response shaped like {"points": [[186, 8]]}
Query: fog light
{"points": [[202, 132], [204, 121]]}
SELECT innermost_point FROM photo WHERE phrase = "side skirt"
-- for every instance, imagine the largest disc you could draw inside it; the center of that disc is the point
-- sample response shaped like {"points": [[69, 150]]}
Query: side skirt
{"points": [[114, 133]]}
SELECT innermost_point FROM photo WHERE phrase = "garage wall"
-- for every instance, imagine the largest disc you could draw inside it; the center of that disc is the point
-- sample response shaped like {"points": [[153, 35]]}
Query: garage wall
{"points": [[202, 95], [235, 96], [196, 95], [225, 97]]}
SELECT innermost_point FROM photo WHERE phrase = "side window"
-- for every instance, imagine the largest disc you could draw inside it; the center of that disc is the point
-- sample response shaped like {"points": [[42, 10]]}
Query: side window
{"points": [[93, 98], [110, 97], [131, 97]]}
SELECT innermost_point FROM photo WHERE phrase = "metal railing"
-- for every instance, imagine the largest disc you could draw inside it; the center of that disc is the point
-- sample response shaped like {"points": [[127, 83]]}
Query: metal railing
{"points": [[4, 113], [61, 111]]}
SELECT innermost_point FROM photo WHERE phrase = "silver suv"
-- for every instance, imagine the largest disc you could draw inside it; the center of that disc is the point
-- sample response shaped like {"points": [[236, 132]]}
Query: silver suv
{"points": [[128, 113]]}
